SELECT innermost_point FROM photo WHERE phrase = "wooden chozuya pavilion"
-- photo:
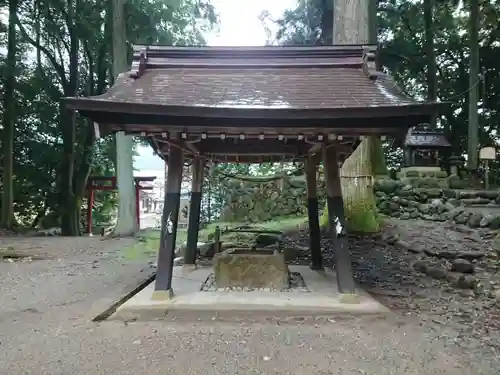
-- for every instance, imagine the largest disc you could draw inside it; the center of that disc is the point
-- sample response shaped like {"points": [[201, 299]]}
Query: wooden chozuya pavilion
{"points": [[252, 105]]}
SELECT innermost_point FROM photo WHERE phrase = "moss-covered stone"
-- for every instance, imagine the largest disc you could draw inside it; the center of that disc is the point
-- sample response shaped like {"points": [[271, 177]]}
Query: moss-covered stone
{"points": [[386, 185], [261, 201], [415, 174], [454, 182], [237, 268]]}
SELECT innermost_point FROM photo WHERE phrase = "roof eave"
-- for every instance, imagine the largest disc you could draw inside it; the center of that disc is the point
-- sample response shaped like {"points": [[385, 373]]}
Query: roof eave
{"points": [[99, 105]]}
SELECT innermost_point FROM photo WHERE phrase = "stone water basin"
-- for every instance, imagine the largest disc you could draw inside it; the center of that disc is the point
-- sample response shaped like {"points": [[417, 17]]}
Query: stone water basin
{"points": [[244, 267]]}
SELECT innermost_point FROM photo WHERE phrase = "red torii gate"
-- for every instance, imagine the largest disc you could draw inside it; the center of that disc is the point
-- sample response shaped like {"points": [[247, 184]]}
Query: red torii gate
{"points": [[109, 183]]}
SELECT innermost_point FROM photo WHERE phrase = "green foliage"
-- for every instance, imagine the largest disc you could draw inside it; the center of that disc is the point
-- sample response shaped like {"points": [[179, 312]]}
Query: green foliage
{"points": [[301, 25], [401, 39], [54, 153]]}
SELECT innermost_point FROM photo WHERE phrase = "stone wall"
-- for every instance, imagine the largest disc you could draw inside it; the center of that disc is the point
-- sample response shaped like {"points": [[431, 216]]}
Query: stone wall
{"points": [[255, 202], [473, 208]]}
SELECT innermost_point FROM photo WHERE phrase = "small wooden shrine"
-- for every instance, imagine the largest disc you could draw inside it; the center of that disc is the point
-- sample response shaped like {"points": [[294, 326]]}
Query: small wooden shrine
{"points": [[423, 147], [252, 105]]}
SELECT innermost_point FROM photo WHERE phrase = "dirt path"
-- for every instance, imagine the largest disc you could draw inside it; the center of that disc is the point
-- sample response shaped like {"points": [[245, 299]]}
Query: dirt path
{"points": [[45, 328]]}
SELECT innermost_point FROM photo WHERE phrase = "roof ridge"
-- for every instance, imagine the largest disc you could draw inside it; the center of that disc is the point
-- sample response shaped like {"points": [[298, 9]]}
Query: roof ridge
{"points": [[336, 56], [339, 48]]}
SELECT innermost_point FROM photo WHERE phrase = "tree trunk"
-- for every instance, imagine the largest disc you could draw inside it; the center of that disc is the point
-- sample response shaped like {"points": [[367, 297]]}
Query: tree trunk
{"points": [[81, 174], [127, 219], [327, 22], [9, 120], [69, 202], [430, 53], [372, 21], [353, 24], [69, 220], [472, 154], [379, 165]]}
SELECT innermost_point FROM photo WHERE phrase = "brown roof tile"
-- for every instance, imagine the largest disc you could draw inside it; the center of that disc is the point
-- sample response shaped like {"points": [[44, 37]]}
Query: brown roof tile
{"points": [[256, 77], [258, 88], [284, 83]]}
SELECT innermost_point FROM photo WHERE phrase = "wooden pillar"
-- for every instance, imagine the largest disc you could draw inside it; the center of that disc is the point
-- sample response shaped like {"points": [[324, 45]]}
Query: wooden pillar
{"points": [[170, 218], [194, 212], [311, 163], [407, 157], [336, 221]]}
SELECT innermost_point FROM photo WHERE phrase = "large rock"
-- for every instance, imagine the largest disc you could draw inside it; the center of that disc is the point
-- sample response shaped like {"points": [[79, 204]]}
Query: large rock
{"points": [[475, 220], [436, 272], [203, 249], [240, 268], [462, 218], [466, 282], [266, 239], [462, 265], [386, 185], [206, 250]]}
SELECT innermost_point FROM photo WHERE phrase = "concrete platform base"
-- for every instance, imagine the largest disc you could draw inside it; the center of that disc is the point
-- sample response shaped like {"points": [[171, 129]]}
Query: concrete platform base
{"points": [[322, 299]]}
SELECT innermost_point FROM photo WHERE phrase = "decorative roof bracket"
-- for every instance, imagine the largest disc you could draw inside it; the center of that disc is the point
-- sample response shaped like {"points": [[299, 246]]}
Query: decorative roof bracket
{"points": [[370, 62], [139, 63]]}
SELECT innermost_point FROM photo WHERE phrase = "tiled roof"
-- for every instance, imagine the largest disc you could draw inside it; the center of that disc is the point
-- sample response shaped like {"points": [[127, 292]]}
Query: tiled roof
{"points": [[258, 88], [257, 77]]}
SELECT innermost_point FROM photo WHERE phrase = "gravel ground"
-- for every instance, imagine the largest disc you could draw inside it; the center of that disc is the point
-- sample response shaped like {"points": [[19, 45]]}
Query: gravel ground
{"points": [[45, 328]]}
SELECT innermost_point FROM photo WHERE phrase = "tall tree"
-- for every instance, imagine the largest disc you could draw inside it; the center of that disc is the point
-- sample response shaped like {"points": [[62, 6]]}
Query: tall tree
{"points": [[473, 128], [353, 24], [9, 119], [127, 217], [327, 21], [430, 53], [64, 49]]}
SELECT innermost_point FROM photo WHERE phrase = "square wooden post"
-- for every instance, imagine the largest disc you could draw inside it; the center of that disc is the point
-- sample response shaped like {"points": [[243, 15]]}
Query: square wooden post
{"points": [[194, 212], [163, 283], [337, 222], [311, 163]]}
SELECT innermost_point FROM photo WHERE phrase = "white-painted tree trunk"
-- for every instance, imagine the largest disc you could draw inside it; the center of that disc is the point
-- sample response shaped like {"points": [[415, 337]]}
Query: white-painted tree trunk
{"points": [[351, 25], [127, 217], [351, 21], [126, 224]]}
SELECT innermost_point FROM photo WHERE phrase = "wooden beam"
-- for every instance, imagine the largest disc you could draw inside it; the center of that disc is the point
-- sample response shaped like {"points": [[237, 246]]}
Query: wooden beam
{"points": [[235, 131]]}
